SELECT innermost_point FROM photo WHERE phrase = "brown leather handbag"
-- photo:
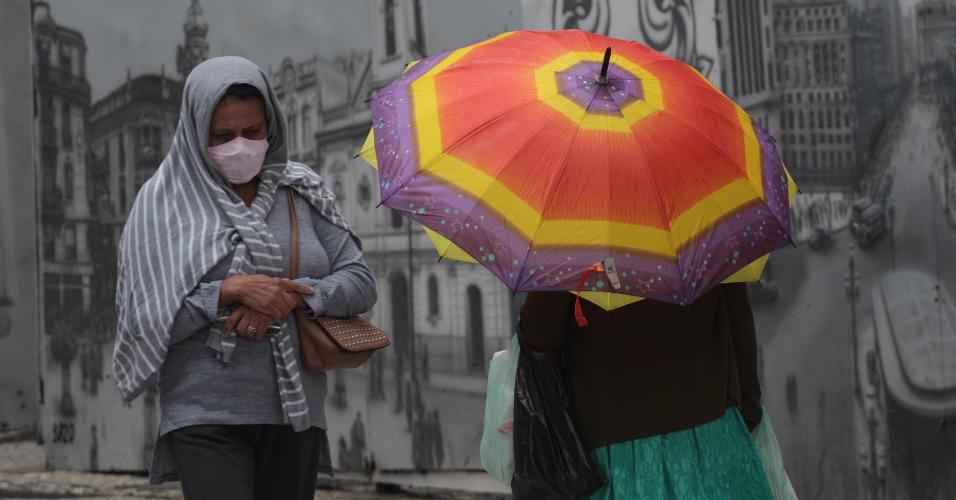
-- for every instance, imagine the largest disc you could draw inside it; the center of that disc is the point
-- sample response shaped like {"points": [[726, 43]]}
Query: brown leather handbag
{"points": [[328, 342]]}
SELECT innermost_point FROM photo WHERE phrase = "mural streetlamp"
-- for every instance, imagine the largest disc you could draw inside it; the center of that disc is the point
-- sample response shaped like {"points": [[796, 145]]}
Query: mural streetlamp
{"points": [[891, 221], [851, 281]]}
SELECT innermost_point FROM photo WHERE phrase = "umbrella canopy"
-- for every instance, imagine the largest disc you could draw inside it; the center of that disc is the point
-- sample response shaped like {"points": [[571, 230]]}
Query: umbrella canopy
{"points": [[523, 154]]}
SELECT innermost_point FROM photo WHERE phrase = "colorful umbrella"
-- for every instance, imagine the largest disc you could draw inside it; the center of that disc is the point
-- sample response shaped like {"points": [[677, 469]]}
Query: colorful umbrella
{"points": [[535, 156]]}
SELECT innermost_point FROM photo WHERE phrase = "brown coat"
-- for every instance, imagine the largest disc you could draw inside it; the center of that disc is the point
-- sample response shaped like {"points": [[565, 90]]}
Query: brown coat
{"points": [[651, 368]]}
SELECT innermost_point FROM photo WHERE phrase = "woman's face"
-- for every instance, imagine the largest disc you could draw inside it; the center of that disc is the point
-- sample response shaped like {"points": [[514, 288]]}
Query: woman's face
{"points": [[238, 117]]}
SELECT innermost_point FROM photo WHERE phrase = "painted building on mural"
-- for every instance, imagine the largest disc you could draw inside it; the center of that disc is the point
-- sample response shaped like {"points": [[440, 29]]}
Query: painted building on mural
{"points": [[936, 32], [62, 94], [745, 39], [92, 159], [818, 109], [446, 318]]}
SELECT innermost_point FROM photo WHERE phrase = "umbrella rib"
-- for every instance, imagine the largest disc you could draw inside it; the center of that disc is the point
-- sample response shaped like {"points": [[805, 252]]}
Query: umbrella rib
{"points": [[661, 207], [554, 180]]}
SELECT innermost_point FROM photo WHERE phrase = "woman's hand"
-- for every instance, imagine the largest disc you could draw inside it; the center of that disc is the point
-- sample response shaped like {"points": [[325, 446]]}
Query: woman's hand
{"points": [[247, 323], [275, 297]]}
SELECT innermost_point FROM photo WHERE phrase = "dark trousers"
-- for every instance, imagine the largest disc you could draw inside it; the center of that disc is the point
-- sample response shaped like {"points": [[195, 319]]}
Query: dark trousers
{"points": [[249, 462]]}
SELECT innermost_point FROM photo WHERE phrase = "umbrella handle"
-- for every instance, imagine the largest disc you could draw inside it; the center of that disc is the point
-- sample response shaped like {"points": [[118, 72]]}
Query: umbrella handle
{"points": [[602, 78], [578, 312]]}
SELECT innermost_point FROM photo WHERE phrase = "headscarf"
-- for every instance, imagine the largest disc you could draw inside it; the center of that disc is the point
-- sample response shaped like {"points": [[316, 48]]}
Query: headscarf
{"points": [[187, 218]]}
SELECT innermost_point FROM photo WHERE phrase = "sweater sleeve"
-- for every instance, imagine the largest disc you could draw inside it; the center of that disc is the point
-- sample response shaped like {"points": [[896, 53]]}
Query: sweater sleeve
{"points": [[199, 309], [349, 289], [544, 320], [744, 335]]}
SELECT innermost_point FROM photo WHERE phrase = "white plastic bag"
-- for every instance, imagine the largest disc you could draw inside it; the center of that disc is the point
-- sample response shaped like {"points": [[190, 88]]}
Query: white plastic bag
{"points": [[769, 451], [497, 444]]}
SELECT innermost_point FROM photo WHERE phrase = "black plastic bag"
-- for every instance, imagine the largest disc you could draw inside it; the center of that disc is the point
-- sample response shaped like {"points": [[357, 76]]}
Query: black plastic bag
{"points": [[551, 462]]}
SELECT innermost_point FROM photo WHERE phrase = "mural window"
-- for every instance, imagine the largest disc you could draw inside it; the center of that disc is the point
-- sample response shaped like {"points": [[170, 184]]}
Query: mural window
{"points": [[433, 310], [800, 119], [390, 37], [49, 245], [293, 133], [148, 141], [69, 243], [338, 189], [66, 61], [475, 331], [396, 219], [365, 193], [306, 124], [68, 181], [401, 317], [66, 126], [420, 27]]}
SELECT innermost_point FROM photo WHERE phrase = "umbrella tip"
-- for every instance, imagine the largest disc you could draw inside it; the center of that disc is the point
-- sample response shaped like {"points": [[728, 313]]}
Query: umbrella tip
{"points": [[602, 78]]}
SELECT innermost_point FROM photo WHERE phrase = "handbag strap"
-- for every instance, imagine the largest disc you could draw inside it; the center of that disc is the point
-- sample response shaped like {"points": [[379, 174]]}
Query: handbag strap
{"points": [[294, 232]]}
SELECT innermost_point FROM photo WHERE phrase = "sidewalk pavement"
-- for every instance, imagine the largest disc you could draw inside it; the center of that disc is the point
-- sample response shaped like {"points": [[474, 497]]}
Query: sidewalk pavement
{"points": [[829, 210], [23, 474], [939, 192]]}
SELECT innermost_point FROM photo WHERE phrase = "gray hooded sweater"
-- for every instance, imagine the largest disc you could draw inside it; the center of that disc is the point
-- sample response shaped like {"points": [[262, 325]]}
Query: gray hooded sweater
{"points": [[187, 232]]}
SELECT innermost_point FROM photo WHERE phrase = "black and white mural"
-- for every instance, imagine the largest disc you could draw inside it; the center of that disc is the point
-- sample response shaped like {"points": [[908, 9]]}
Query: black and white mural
{"points": [[857, 328]]}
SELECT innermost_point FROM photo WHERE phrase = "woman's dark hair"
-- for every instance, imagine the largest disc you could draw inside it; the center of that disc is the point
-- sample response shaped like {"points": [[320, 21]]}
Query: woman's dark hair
{"points": [[243, 92]]}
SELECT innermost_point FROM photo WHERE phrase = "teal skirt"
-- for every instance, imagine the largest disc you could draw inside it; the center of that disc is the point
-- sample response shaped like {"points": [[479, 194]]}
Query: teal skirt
{"points": [[714, 461]]}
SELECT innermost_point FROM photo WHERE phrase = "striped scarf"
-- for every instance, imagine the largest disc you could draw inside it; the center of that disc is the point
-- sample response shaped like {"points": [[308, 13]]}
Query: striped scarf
{"points": [[187, 218]]}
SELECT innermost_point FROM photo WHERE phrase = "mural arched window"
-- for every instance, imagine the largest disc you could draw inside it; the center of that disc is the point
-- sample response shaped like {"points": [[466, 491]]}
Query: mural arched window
{"points": [[475, 347], [390, 36], [306, 125], [433, 309], [338, 189], [396, 219], [401, 319], [290, 130], [69, 181]]}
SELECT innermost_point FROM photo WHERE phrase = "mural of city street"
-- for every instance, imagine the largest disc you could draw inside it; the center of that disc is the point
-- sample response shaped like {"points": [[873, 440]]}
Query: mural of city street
{"points": [[856, 322]]}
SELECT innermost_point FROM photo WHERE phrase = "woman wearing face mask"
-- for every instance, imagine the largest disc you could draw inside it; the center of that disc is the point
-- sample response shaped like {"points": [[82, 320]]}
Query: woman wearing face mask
{"points": [[204, 303]]}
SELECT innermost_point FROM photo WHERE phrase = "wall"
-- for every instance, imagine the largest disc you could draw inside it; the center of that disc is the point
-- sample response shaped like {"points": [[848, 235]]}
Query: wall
{"points": [[835, 315]]}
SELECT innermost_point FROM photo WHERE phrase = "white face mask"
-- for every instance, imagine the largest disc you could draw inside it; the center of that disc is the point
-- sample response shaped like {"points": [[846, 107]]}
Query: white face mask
{"points": [[240, 159]]}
